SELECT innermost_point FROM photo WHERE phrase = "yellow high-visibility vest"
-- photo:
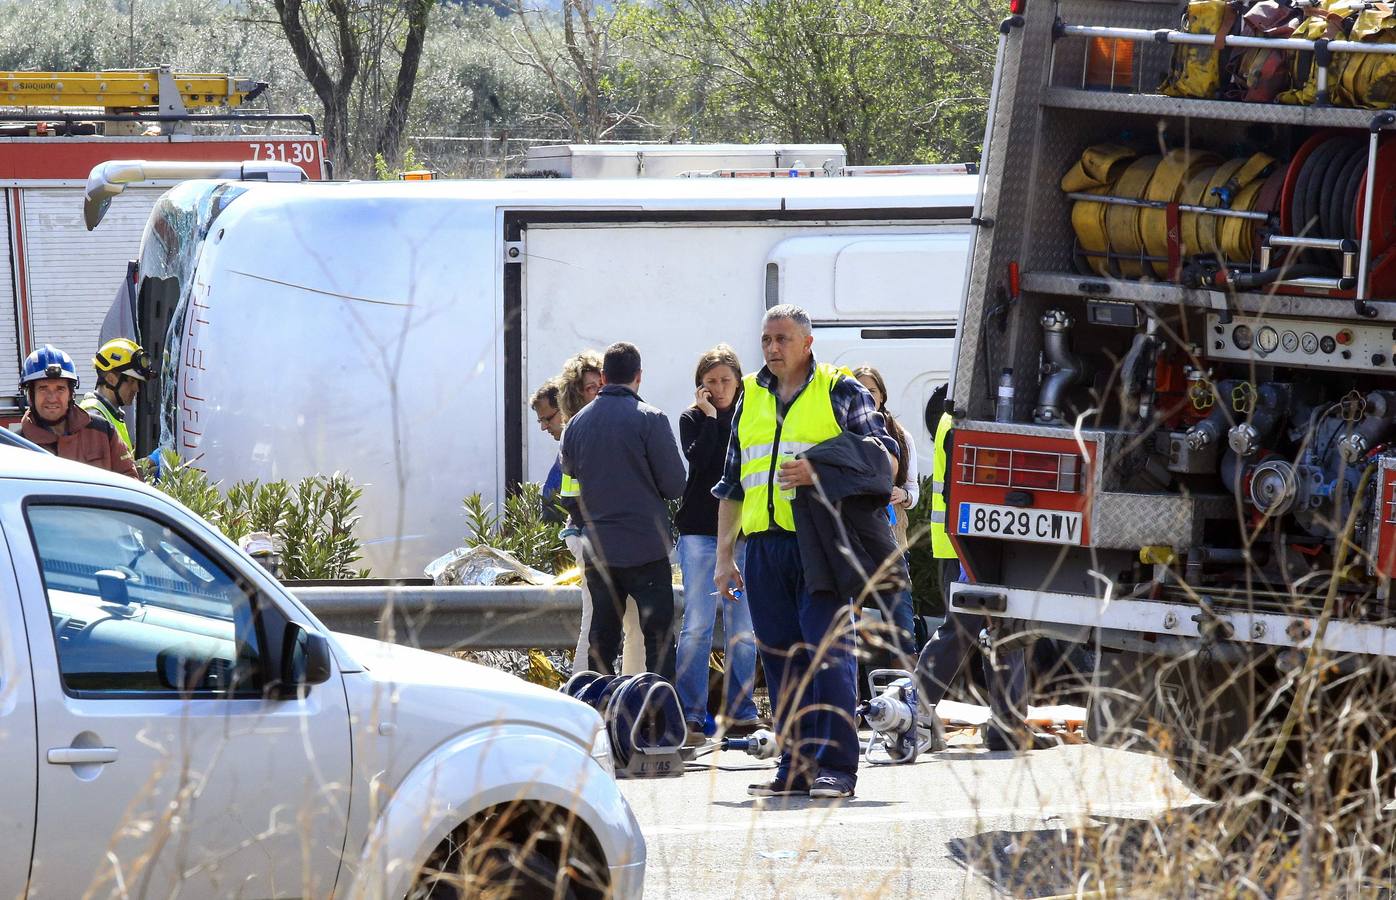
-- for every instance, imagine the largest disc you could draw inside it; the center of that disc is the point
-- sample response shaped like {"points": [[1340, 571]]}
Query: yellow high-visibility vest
{"points": [[764, 440], [940, 539], [94, 406]]}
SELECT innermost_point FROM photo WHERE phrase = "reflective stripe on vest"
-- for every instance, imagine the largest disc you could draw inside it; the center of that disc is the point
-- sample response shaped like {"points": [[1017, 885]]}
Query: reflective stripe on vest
{"points": [[94, 406], [764, 441], [940, 539], [571, 487]]}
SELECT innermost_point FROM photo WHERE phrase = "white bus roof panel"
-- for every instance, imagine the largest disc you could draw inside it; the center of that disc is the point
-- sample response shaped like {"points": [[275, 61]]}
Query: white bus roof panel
{"points": [[938, 192], [670, 160]]}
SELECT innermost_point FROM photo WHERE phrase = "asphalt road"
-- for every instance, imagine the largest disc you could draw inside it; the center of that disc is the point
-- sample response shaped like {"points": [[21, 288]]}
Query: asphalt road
{"points": [[963, 822]]}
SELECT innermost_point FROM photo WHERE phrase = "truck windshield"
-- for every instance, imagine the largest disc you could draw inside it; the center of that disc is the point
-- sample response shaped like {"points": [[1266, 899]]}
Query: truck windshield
{"points": [[170, 249]]}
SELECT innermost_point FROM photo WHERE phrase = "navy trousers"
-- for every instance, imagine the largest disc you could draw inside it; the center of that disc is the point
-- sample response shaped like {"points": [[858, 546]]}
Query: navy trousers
{"points": [[806, 645]]}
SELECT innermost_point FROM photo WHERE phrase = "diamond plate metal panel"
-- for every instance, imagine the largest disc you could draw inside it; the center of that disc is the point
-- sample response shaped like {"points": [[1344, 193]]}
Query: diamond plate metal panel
{"points": [[1129, 521], [1067, 97], [1169, 295], [1008, 185]]}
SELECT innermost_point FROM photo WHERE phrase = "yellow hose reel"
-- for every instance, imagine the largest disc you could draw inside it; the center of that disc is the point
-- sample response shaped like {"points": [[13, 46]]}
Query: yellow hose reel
{"points": [[1131, 241]]}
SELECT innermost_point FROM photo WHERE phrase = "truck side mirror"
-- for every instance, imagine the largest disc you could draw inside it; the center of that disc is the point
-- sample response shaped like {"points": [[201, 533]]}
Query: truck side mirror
{"points": [[305, 660]]}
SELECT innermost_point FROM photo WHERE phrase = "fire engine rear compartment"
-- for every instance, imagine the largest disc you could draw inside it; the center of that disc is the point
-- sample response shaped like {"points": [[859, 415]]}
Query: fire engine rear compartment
{"points": [[1224, 436]]}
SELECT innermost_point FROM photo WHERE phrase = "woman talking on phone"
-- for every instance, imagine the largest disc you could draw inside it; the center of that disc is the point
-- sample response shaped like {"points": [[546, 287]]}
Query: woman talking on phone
{"points": [[704, 431]]}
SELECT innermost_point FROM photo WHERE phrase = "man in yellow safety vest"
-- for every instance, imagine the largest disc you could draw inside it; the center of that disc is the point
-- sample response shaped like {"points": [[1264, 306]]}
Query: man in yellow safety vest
{"points": [[805, 637]]}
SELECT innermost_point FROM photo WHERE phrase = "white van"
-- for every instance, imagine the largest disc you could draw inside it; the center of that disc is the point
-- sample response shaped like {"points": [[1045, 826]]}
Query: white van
{"points": [[395, 331]]}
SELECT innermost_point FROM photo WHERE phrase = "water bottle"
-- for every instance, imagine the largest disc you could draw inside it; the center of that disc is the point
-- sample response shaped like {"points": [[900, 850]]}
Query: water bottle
{"points": [[1004, 412]]}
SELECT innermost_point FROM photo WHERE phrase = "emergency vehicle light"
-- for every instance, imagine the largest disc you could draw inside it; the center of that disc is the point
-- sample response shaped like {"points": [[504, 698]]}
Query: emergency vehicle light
{"points": [[1027, 469]]}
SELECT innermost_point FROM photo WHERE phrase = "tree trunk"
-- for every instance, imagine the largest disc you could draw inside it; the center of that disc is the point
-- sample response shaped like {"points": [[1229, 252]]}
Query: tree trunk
{"points": [[337, 133], [333, 92], [389, 143]]}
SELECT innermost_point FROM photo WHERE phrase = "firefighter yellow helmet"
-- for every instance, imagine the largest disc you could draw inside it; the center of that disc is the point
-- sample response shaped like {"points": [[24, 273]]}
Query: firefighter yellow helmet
{"points": [[123, 356]]}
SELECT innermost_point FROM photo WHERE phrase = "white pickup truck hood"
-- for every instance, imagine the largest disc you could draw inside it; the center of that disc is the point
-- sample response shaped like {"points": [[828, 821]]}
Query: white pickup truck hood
{"points": [[420, 699]]}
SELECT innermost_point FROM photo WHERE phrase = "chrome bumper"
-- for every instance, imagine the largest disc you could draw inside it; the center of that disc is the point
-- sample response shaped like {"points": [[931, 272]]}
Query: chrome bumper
{"points": [[1179, 620]]}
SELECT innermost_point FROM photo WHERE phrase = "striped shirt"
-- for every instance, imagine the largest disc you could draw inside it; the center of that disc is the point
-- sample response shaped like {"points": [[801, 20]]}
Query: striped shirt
{"points": [[854, 410]]}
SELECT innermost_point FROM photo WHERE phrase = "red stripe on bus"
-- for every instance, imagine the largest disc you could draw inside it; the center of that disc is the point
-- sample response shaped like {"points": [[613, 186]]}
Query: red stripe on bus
{"points": [[69, 159]]}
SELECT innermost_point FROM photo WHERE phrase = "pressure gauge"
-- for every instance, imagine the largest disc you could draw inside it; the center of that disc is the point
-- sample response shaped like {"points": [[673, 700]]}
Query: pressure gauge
{"points": [[1241, 337], [1289, 341], [1309, 342], [1267, 339]]}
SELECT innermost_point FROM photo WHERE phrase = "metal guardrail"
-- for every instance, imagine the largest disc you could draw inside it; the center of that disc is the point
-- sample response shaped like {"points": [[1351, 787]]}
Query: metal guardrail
{"points": [[466, 618], [456, 618]]}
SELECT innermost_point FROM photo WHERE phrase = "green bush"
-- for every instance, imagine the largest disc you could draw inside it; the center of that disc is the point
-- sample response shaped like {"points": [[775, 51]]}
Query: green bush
{"points": [[312, 519], [519, 530]]}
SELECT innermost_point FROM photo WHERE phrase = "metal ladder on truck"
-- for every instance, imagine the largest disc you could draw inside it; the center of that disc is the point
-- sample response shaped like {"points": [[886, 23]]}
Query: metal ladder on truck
{"points": [[125, 95]]}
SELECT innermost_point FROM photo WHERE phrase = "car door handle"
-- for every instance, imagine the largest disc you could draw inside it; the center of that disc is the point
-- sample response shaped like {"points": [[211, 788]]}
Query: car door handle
{"points": [[78, 756]]}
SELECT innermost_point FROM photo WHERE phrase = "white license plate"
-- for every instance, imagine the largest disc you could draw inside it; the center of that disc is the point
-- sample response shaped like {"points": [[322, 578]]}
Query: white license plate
{"points": [[1047, 526]]}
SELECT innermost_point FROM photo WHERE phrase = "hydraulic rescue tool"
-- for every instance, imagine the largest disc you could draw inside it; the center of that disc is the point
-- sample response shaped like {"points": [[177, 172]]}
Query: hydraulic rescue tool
{"points": [[901, 728], [760, 744]]}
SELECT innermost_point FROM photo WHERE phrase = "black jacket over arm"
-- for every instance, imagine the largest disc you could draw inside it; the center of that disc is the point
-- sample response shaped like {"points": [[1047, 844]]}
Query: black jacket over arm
{"points": [[841, 521]]}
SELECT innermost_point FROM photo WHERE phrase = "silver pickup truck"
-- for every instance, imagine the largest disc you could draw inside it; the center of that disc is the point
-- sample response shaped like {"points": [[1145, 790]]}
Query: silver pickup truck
{"points": [[173, 721]]}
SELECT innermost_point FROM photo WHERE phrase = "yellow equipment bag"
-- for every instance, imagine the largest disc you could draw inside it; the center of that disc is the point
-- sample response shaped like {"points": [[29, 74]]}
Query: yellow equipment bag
{"points": [[1322, 21], [1196, 71], [1260, 75], [1369, 79]]}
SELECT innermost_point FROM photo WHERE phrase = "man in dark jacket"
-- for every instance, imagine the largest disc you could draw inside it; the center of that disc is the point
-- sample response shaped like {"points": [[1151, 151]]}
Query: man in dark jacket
{"points": [[621, 453], [841, 521]]}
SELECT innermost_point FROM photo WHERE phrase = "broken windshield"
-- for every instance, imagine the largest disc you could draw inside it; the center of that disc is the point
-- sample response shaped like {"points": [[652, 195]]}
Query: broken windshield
{"points": [[169, 256]]}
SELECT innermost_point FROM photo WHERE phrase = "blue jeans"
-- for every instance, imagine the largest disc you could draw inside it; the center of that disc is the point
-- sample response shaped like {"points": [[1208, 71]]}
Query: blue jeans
{"points": [[698, 561], [807, 650], [904, 618]]}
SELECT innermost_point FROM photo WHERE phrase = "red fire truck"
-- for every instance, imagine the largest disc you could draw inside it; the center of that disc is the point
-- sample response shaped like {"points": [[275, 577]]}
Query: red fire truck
{"points": [[1175, 382], [56, 277]]}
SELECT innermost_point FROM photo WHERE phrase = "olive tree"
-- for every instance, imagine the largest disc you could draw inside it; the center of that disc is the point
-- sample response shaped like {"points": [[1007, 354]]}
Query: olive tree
{"points": [[892, 80]]}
